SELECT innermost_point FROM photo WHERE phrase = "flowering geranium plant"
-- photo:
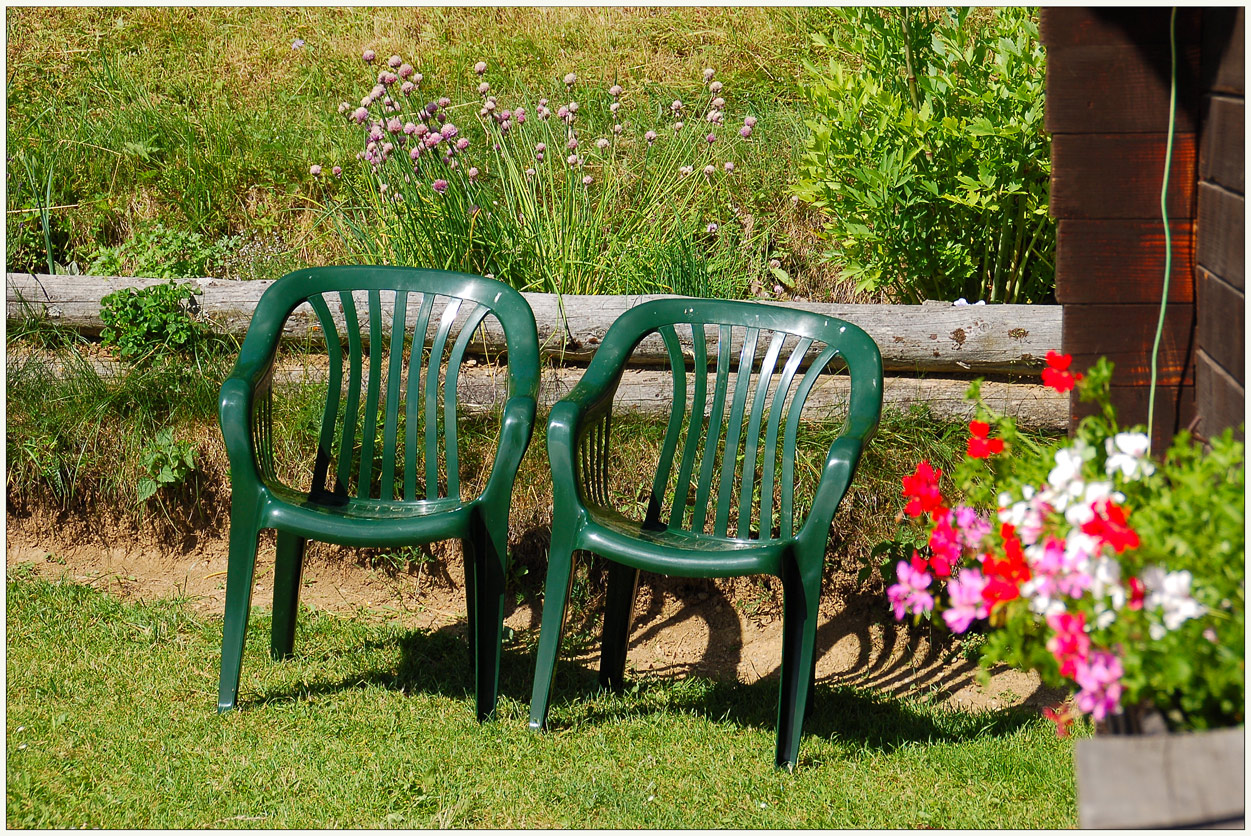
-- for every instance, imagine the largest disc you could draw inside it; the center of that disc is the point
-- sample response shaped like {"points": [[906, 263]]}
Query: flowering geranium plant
{"points": [[1108, 571]]}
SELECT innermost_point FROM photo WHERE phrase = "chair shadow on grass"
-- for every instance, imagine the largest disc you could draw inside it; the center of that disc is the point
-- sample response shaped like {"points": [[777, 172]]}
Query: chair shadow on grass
{"points": [[862, 712]]}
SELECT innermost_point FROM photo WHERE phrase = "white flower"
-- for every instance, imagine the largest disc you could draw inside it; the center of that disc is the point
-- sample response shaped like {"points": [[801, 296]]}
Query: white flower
{"points": [[1170, 593], [1065, 478], [1127, 454], [1091, 495]]}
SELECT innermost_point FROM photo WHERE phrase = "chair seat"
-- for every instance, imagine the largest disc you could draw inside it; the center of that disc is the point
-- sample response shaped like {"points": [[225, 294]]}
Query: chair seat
{"points": [[351, 521], [678, 552]]}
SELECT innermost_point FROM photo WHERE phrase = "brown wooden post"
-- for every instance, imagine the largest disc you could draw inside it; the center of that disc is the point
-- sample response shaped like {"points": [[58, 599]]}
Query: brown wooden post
{"points": [[1220, 238], [1108, 79]]}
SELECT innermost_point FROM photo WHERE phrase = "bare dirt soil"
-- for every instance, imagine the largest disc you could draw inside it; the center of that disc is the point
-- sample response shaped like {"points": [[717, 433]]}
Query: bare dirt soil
{"points": [[729, 629]]}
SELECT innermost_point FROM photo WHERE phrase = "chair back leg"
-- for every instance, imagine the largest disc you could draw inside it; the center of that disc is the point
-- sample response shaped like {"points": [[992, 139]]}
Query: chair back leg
{"points": [[288, 568], [623, 584], [485, 567], [801, 598]]}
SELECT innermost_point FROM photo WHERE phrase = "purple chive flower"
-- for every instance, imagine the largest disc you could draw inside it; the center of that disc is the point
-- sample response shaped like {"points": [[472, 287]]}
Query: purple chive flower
{"points": [[540, 148], [394, 61], [614, 107], [368, 55], [571, 144], [378, 92], [407, 88], [601, 143], [410, 128], [749, 121], [650, 136], [394, 125], [432, 108], [718, 103], [415, 152], [562, 112], [445, 102], [676, 106], [711, 229], [489, 105], [729, 167], [615, 90], [314, 170], [710, 170], [711, 138], [530, 172], [617, 129], [420, 130], [480, 67], [677, 126], [375, 133], [297, 43], [462, 144], [473, 174], [432, 139], [573, 107], [709, 72], [449, 131], [387, 78], [570, 80], [715, 87], [588, 180], [572, 159], [344, 107], [484, 88], [439, 186], [406, 70], [336, 171], [685, 170], [520, 115], [744, 132]]}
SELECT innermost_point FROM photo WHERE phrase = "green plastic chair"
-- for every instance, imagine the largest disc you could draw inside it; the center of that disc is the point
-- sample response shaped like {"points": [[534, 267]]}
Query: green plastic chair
{"points": [[707, 514], [376, 480]]}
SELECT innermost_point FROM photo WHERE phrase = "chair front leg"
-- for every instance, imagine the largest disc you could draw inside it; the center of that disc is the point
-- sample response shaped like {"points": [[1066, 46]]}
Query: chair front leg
{"points": [[801, 594], [240, 569], [560, 564]]}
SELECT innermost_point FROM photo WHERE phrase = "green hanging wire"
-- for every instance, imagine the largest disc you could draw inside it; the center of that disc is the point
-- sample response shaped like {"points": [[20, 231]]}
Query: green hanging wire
{"points": [[1168, 239]]}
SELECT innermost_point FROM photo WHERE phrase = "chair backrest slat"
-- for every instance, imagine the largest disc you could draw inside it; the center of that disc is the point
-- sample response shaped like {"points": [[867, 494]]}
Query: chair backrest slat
{"points": [[673, 430], [734, 430], [412, 405], [432, 397], [681, 494], [369, 429], [750, 456], [392, 410], [348, 435], [454, 361], [334, 384], [712, 438], [771, 434], [792, 426]]}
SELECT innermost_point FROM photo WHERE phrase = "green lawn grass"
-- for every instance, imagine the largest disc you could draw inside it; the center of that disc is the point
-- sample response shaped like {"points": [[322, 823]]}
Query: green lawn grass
{"points": [[111, 723]]}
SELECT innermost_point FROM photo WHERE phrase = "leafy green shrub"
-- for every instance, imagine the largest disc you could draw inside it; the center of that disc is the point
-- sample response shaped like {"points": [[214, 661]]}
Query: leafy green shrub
{"points": [[929, 154], [154, 320], [167, 462], [158, 252]]}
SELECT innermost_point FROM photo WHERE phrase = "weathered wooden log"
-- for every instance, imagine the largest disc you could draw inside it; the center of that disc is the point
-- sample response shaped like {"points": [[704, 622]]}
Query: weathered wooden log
{"points": [[483, 388], [929, 338]]}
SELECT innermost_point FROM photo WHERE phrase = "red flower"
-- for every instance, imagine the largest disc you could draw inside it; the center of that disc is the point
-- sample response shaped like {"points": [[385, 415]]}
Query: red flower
{"points": [[1062, 715], [1110, 527], [922, 489], [981, 447], [1057, 374], [1137, 592]]}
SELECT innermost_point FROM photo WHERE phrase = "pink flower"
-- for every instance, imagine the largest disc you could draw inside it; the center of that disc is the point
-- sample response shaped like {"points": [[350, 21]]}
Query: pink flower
{"points": [[449, 131], [710, 170], [711, 229], [462, 144], [709, 72], [1099, 679], [971, 525], [676, 106], [439, 186], [729, 167], [473, 173], [749, 121], [530, 172], [1070, 644], [394, 61], [336, 171], [360, 115], [394, 125], [368, 55], [967, 604], [480, 67], [616, 129], [945, 547], [615, 90], [650, 136], [677, 126], [445, 102], [484, 88], [407, 88], [314, 170], [714, 88], [744, 132], [570, 79], [588, 180], [572, 159], [601, 143], [539, 148], [909, 594], [711, 138], [718, 103], [562, 112], [406, 70]]}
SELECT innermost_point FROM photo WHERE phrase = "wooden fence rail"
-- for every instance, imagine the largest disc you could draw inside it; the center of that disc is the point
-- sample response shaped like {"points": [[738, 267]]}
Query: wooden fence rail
{"points": [[929, 338]]}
